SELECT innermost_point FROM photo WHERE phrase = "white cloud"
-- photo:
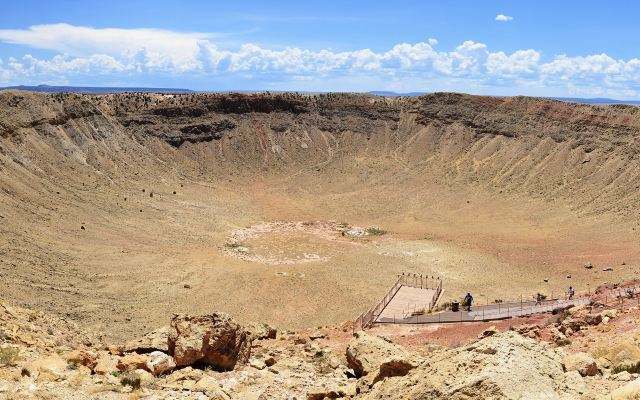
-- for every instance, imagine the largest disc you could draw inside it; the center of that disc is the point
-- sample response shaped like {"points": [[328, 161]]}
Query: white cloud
{"points": [[155, 47], [519, 63], [503, 18], [124, 54]]}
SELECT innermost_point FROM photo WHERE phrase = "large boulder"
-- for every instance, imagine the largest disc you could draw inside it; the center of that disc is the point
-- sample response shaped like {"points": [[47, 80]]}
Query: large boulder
{"points": [[378, 358], [214, 340]]}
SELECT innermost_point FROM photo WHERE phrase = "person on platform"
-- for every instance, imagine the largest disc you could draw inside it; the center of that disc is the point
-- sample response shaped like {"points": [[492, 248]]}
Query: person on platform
{"points": [[468, 301]]}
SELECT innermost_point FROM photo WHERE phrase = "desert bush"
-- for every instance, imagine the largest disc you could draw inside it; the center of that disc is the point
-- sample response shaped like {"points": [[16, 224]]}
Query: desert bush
{"points": [[131, 379], [632, 368], [9, 355], [444, 306], [375, 231]]}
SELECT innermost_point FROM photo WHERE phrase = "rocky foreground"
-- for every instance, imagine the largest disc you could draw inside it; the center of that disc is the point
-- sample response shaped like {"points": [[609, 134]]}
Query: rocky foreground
{"points": [[588, 352]]}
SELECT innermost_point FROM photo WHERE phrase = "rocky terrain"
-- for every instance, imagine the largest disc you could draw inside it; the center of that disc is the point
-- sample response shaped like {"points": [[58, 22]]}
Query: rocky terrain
{"points": [[586, 352]]}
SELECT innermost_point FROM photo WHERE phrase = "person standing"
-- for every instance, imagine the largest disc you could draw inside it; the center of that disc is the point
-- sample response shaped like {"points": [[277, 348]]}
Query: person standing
{"points": [[468, 300]]}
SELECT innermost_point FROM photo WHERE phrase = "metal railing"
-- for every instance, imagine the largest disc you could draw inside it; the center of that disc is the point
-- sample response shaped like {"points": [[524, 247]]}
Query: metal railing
{"points": [[367, 318], [488, 312], [619, 295]]}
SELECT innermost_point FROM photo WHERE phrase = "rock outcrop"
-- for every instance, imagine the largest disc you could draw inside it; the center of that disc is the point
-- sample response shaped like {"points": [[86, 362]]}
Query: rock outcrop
{"points": [[378, 358], [503, 366], [366, 367], [214, 340]]}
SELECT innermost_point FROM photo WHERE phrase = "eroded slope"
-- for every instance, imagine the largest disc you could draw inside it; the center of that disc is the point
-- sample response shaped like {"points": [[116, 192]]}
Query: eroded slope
{"points": [[495, 195]]}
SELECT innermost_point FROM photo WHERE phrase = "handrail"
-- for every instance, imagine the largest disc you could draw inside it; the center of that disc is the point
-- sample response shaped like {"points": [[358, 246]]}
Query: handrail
{"points": [[367, 318]]}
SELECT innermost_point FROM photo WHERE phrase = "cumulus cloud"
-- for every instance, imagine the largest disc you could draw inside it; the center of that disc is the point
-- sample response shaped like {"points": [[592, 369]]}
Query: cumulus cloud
{"points": [[126, 53], [503, 18], [159, 48], [519, 63]]}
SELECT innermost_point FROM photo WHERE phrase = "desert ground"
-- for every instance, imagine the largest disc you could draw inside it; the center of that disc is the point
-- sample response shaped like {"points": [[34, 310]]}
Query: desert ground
{"points": [[118, 210]]}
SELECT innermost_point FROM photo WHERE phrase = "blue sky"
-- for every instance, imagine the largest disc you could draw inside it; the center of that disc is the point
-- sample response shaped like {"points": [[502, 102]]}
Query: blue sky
{"points": [[508, 47]]}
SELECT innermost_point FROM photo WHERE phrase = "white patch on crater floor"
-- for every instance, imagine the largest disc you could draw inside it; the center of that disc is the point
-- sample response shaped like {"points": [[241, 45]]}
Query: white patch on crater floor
{"points": [[286, 243]]}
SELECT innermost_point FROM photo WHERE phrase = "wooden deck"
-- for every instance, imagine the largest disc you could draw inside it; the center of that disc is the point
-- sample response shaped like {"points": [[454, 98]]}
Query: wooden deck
{"points": [[406, 300]]}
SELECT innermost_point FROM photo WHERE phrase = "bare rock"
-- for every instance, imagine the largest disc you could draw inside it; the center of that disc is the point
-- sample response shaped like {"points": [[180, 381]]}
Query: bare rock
{"points": [[622, 356], [210, 386], [262, 331], [51, 368], [581, 362], [593, 319], [318, 334], [630, 391], [490, 331], [136, 379], [160, 363], [323, 394], [257, 363], [214, 340], [528, 330], [517, 368], [559, 338], [378, 357], [623, 376], [611, 313], [106, 364], [156, 340], [82, 357], [132, 361]]}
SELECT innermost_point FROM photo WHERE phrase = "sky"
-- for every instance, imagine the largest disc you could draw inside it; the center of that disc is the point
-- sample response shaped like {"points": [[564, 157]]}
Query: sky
{"points": [[495, 47]]}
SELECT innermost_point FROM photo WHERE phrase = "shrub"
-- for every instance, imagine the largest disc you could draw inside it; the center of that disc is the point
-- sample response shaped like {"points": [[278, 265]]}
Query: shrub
{"points": [[131, 379], [632, 368], [375, 231], [8, 355]]}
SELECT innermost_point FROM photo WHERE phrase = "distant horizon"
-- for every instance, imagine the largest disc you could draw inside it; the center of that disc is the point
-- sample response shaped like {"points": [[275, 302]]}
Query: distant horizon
{"points": [[178, 90], [496, 48]]}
